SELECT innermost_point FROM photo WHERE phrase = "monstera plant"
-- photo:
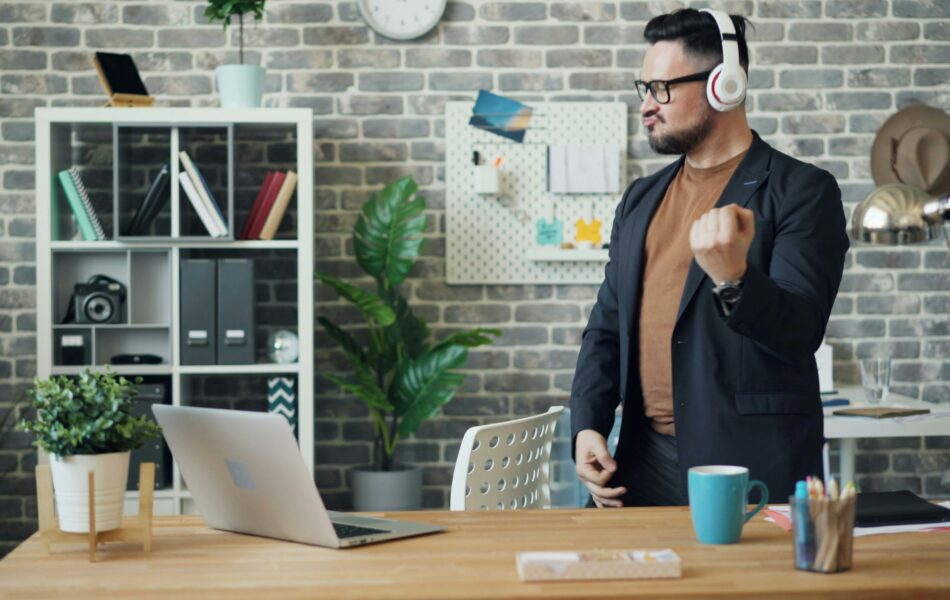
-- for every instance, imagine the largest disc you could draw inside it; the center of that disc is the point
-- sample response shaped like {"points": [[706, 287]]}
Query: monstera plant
{"points": [[401, 373]]}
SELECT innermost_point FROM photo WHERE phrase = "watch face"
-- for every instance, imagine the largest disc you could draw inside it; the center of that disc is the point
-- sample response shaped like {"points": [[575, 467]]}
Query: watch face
{"points": [[402, 19], [730, 293]]}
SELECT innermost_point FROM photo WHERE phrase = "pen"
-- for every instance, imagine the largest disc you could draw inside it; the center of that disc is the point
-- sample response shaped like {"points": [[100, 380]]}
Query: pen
{"points": [[476, 158], [804, 528]]}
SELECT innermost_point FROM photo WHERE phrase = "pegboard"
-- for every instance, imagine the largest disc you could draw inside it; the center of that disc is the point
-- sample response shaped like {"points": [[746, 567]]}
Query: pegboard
{"points": [[489, 238]]}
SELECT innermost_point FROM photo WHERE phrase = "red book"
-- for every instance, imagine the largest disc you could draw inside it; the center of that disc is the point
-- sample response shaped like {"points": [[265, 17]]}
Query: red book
{"points": [[266, 204], [256, 207]]}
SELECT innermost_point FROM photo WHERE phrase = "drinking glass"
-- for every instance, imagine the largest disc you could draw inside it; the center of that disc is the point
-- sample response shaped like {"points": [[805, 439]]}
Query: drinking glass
{"points": [[876, 379]]}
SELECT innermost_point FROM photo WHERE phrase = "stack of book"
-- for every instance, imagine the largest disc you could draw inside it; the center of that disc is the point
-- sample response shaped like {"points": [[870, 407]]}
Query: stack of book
{"points": [[270, 205], [78, 198], [154, 200], [201, 198]]}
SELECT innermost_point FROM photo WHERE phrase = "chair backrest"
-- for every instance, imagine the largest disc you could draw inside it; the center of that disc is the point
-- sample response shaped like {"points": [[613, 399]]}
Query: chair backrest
{"points": [[505, 466]]}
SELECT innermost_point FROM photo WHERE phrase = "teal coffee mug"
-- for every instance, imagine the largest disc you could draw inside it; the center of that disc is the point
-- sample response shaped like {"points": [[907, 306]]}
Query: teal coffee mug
{"points": [[718, 498]]}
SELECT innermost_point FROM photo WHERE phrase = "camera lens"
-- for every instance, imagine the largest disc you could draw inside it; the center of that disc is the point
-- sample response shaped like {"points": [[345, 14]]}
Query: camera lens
{"points": [[98, 308]]}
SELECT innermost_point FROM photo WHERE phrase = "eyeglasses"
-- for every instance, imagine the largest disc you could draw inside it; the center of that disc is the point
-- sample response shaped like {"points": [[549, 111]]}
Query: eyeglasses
{"points": [[661, 89]]}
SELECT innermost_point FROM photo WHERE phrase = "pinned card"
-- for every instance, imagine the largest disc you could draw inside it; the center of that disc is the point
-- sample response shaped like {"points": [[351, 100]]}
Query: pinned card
{"points": [[500, 115]]}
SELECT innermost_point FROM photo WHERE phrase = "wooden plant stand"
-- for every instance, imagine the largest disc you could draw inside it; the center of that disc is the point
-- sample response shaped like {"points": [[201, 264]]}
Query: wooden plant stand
{"points": [[50, 533]]}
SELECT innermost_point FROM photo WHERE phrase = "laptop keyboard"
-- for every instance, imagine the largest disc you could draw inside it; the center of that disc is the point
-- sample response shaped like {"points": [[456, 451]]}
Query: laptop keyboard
{"points": [[348, 531]]}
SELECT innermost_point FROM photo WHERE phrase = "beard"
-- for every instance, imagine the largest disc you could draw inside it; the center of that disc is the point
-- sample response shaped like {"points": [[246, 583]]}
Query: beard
{"points": [[681, 142]]}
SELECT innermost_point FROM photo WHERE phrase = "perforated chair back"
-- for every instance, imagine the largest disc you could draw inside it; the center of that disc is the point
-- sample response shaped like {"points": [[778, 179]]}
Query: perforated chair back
{"points": [[505, 466]]}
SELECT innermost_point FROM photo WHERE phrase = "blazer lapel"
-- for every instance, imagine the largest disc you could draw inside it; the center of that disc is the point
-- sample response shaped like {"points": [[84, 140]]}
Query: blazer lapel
{"points": [[749, 175], [634, 236]]}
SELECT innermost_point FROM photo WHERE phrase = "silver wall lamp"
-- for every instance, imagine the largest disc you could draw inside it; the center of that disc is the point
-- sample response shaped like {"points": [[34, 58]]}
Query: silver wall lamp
{"points": [[900, 214]]}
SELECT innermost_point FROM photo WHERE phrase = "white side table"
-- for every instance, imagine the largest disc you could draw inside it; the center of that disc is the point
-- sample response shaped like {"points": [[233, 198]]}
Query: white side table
{"points": [[849, 429]]}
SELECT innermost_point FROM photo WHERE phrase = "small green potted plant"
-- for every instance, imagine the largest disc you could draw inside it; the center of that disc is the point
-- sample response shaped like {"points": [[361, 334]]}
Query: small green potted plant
{"points": [[86, 423], [240, 85], [402, 375]]}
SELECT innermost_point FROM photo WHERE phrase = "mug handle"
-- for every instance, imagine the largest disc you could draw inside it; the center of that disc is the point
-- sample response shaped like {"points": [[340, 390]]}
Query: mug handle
{"points": [[765, 498]]}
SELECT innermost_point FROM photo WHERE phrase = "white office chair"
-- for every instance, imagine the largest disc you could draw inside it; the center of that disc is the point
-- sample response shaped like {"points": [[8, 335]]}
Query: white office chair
{"points": [[505, 466]]}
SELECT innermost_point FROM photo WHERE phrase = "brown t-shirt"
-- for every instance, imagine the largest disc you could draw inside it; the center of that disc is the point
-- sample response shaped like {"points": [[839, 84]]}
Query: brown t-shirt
{"points": [[667, 256]]}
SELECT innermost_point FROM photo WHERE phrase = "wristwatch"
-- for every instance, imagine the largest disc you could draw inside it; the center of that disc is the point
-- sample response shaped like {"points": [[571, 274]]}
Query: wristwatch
{"points": [[728, 293]]}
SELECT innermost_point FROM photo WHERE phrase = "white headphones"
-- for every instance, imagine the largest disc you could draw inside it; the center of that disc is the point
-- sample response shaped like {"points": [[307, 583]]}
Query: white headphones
{"points": [[726, 86]]}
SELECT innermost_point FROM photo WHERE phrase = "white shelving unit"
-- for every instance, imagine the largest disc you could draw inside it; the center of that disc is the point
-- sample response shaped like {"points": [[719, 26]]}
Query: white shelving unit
{"points": [[152, 262]]}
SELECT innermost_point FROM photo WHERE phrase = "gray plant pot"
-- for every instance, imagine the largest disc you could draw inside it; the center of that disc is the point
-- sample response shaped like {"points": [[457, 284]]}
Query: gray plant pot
{"points": [[399, 489]]}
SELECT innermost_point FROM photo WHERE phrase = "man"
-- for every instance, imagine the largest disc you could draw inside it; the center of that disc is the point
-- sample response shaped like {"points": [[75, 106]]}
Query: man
{"points": [[723, 270]]}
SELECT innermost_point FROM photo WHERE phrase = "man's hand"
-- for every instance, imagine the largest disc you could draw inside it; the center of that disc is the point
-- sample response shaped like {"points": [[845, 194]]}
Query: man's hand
{"points": [[595, 467], [720, 241]]}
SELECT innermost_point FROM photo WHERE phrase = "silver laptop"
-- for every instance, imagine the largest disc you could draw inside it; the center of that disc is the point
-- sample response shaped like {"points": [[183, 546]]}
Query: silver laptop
{"points": [[245, 473]]}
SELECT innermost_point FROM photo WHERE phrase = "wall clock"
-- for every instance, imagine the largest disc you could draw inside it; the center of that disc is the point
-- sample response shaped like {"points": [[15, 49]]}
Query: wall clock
{"points": [[402, 19]]}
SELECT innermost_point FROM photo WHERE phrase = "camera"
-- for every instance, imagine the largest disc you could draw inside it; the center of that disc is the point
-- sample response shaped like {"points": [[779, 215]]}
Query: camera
{"points": [[98, 301]]}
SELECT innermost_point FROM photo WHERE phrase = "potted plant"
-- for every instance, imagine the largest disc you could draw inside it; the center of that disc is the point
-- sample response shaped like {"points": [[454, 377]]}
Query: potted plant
{"points": [[402, 375], [240, 85], [86, 423]]}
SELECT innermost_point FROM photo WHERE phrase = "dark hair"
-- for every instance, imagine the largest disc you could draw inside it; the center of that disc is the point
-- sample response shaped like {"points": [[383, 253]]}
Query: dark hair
{"points": [[698, 32]]}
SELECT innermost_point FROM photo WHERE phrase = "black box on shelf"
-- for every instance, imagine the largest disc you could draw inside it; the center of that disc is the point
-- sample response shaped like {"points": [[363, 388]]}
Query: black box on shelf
{"points": [[154, 450], [235, 339], [72, 347], [197, 311]]}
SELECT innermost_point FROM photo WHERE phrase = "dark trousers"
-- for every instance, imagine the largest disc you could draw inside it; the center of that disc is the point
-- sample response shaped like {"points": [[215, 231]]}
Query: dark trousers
{"points": [[653, 472]]}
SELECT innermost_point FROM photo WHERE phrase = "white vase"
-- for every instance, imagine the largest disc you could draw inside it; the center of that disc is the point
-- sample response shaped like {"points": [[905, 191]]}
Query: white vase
{"points": [[240, 86], [71, 488]]}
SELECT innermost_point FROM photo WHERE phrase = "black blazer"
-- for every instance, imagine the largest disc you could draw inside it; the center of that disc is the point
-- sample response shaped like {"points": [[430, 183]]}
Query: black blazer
{"points": [[745, 387]]}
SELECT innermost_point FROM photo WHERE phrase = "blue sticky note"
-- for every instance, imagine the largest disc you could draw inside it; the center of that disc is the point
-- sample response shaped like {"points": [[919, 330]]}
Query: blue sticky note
{"points": [[550, 233]]}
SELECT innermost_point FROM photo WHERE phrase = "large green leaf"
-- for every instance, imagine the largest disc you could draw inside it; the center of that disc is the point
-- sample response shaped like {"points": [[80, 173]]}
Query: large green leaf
{"points": [[373, 307], [387, 236], [470, 338], [367, 390], [422, 386], [367, 387], [408, 329]]}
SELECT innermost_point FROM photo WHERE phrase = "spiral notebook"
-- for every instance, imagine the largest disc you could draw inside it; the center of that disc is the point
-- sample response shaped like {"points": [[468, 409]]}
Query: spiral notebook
{"points": [[78, 197]]}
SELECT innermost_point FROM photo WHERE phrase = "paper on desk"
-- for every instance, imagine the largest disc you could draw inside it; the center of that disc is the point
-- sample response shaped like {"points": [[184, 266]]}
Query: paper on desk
{"points": [[780, 516]]}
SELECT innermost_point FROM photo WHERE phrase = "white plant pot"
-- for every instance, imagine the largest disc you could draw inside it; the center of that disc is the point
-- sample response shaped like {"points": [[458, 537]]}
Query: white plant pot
{"points": [[240, 86], [71, 488]]}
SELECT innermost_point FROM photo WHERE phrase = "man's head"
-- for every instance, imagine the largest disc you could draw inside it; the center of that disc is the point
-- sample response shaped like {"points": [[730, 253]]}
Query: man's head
{"points": [[685, 46]]}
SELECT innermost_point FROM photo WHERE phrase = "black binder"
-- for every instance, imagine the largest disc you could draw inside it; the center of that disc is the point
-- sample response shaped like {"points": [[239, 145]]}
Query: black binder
{"points": [[154, 200], [897, 508], [197, 312], [153, 450], [235, 336]]}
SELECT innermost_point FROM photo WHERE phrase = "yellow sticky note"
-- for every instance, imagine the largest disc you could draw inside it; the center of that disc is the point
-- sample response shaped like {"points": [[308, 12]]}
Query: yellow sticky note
{"points": [[588, 232]]}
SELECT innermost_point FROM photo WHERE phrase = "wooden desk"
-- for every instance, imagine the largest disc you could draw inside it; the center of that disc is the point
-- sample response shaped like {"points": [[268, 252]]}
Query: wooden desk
{"points": [[474, 559]]}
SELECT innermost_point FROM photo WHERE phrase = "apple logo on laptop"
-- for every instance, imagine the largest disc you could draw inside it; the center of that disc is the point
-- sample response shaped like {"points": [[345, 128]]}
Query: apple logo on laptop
{"points": [[240, 475]]}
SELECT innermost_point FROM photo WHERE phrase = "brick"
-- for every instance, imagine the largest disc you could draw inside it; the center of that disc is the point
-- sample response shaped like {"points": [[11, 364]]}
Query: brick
{"points": [[458, 11], [529, 82], [516, 382], [849, 146], [803, 9], [640, 11], [383, 175], [380, 59], [270, 37], [798, 124], [434, 151], [522, 336], [850, 328], [915, 372], [784, 55], [119, 38], [45, 36], [191, 37], [391, 82], [547, 313], [296, 13], [581, 58], [865, 124], [937, 304], [395, 128], [477, 313], [811, 78], [936, 349], [548, 359], [919, 327], [852, 54], [881, 31], [930, 98], [369, 105], [819, 32], [842, 306], [477, 406], [787, 101], [547, 35], [921, 9], [460, 81], [21, 227], [856, 9], [602, 81], [179, 85], [587, 12], [427, 58], [889, 484], [319, 82], [299, 59], [858, 100], [888, 259], [871, 463], [939, 394], [156, 15], [487, 359], [889, 305], [373, 152], [335, 128], [22, 13], [479, 36], [920, 53], [335, 36], [939, 31], [613, 35], [931, 77], [923, 282], [801, 146], [879, 77], [763, 125], [524, 59], [501, 11], [761, 79]]}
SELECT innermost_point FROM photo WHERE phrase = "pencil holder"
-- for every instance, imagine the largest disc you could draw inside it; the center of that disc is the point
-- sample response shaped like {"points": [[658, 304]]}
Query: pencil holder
{"points": [[487, 180], [823, 533]]}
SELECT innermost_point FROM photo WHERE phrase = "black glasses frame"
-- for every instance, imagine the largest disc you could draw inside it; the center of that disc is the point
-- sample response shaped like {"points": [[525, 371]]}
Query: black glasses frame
{"points": [[661, 88]]}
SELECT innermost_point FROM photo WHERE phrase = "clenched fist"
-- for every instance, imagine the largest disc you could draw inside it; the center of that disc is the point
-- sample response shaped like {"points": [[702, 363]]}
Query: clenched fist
{"points": [[720, 241]]}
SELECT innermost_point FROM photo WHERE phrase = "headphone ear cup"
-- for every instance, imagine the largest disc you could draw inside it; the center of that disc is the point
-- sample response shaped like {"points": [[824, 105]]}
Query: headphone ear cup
{"points": [[725, 89]]}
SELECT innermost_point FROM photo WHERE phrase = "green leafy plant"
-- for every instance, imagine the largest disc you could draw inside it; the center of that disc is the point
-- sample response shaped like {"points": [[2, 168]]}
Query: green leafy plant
{"points": [[89, 414], [223, 10], [402, 376]]}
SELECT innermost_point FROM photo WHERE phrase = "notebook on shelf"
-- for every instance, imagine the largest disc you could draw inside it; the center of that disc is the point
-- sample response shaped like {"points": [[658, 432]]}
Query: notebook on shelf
{"points": [[256, 206], [79, 202], [205, 196], [154, 200], [199, 206], [267, 203], [276, 214]]}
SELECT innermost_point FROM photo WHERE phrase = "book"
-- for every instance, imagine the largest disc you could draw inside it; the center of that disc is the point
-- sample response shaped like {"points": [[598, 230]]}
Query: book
{"points": [[897, 508], [266, 204], [78, 197], [199, 206], [881, 412], [120, 78], [204, 194], [256, 207], [279, 208], [154, 200]]}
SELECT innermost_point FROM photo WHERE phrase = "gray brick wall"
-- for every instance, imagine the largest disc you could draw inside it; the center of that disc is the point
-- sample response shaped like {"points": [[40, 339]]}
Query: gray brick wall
{"points": [[825, 74]]}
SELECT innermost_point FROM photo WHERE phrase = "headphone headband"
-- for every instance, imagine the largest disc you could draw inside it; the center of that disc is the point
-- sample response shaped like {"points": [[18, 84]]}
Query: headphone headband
{"points": [[729, 37]]}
